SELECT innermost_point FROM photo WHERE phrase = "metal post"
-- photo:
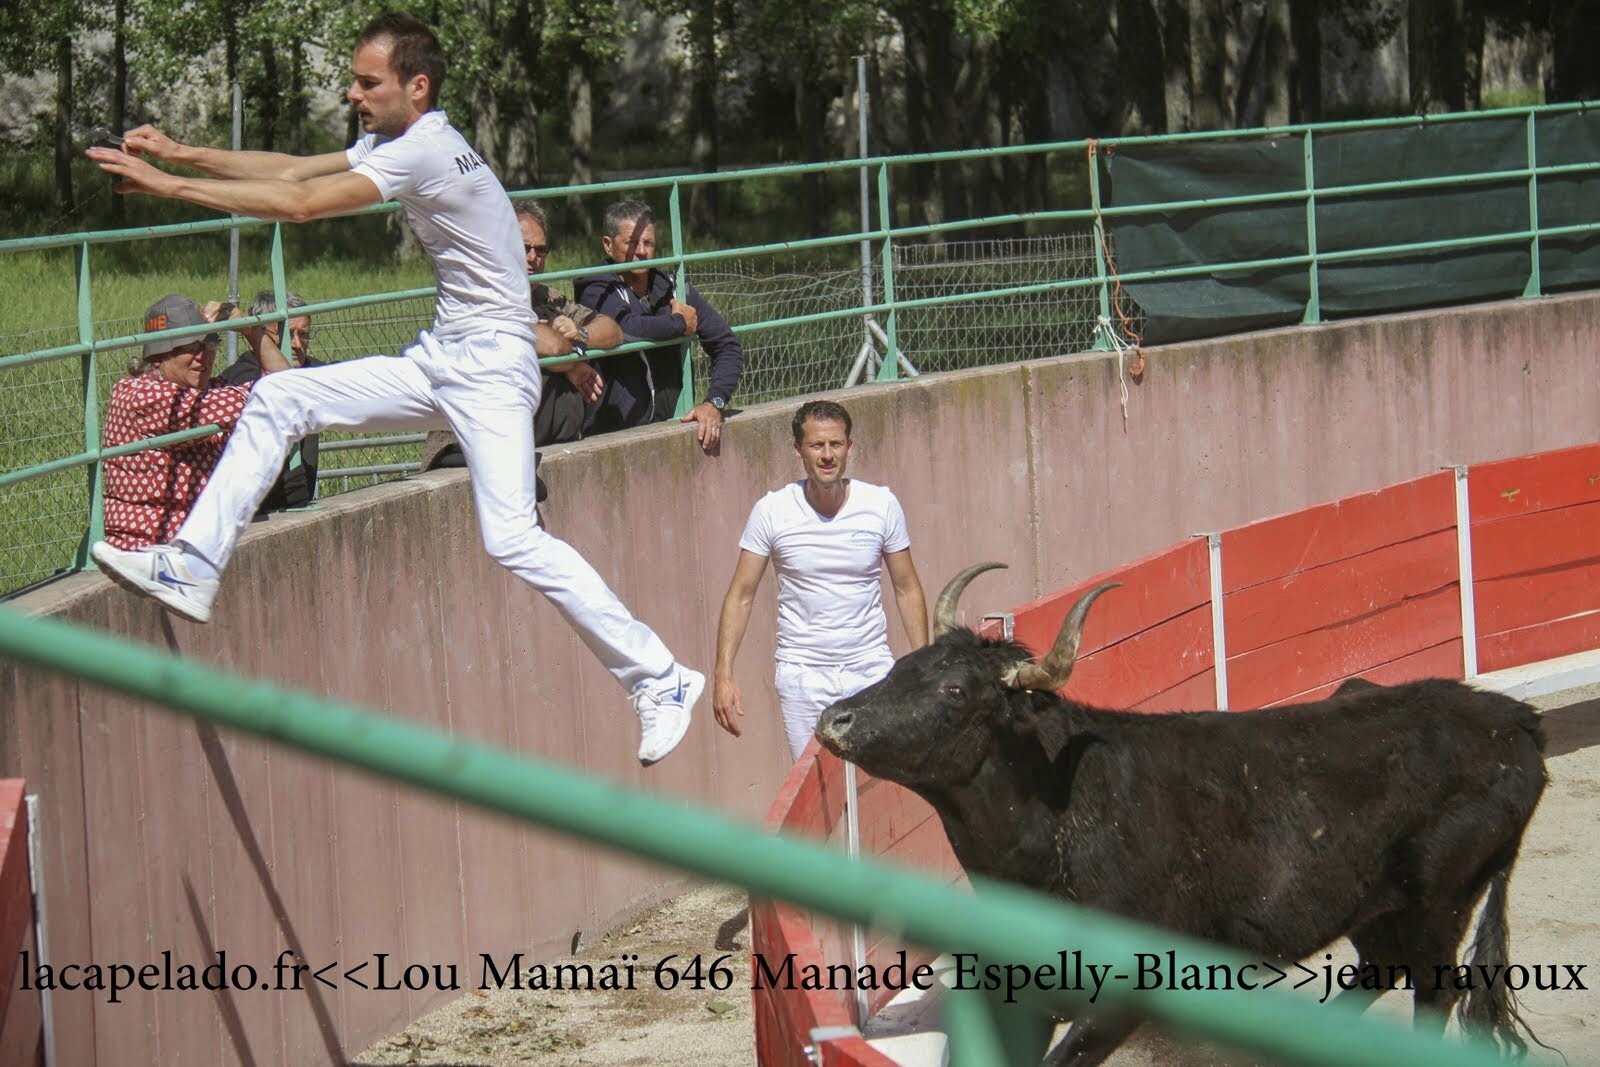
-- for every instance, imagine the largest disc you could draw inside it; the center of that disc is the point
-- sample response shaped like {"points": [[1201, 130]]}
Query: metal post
{"points": [[41, 940], [95, 529], [1219, 637], [1469, 611], [1101, 341], [680, 284], [233, 234], [852, 834], [891, 363], [1535, 283], [866, 216], [1314, 300]]}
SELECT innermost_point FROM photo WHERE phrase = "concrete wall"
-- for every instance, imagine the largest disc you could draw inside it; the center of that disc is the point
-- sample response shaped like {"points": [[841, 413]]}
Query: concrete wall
{"points": [[164, 835]]}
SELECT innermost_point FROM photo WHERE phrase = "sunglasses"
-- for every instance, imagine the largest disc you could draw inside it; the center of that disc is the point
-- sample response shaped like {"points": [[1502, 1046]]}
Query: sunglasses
{"points": [[543, 250]]}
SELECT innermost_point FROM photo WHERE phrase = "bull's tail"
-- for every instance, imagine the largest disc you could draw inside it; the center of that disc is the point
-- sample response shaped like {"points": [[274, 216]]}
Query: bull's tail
{"points": [[1492, 1012]]}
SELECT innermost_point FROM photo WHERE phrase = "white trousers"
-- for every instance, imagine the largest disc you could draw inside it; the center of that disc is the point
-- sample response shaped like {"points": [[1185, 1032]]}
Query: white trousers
{"points": [[485, 387], [805, 691]]}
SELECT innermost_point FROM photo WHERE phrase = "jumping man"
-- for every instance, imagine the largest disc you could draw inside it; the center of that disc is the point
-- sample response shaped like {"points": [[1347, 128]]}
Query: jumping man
{"points": [[476, 370]]}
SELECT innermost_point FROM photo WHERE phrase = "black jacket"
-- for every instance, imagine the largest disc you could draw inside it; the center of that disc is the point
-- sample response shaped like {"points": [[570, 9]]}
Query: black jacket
{"points": [[297, 483], [643, 386]]}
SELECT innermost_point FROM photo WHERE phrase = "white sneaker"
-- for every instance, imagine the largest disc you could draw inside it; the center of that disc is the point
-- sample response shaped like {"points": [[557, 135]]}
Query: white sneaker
{"points": [[159, 572], [664, 712]]}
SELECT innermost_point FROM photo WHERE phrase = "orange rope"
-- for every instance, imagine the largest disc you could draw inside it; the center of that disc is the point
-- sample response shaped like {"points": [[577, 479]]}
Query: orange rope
{"points": [[1137, 370]]}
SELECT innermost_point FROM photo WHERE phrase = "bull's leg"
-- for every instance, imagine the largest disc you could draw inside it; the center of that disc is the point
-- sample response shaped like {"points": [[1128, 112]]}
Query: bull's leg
{"points": [[1090, 1041], [1378, 944], [1431, 943]]}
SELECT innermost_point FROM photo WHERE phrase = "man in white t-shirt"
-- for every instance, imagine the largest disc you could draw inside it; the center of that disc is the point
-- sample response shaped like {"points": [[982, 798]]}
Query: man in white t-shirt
{"points": [[830, 538], [476, 370]]}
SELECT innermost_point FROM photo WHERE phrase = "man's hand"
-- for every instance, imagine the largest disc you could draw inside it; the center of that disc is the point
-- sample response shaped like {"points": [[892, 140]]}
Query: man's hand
{"points": [[146, 140], [564, 325], [586, 380], [132, 174], [709, 419], [728, 704], [691, 317]]}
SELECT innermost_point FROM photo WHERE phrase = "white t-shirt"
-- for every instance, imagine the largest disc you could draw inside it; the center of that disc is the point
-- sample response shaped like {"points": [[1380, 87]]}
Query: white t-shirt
{"points": [[461, 215], [830, 605]]}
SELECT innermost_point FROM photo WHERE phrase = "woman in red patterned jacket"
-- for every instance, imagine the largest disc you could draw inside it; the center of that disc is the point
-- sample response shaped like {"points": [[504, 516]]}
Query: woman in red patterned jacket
{"points": [[148, 494]]}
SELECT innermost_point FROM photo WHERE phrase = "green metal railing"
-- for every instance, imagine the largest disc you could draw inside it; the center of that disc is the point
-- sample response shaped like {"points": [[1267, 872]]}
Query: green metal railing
{"points": [[1090, 325], [1002, 924]]}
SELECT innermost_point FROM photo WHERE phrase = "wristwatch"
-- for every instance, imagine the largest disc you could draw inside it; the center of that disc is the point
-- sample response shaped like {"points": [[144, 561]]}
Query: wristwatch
{"points": [[717, 402]]}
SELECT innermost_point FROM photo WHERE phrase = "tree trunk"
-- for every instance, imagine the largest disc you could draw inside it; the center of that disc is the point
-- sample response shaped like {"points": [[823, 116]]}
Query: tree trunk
{"points": [[270, 95], [1277, 64], [1574, 75], [1140, 60], [1176, 46], [297, 98], [580, 135], [63, 126], [119, 94], [1208, 32], [1305, 85], [1473, 35], [705, 142], [811, 117], [1436, 56]]}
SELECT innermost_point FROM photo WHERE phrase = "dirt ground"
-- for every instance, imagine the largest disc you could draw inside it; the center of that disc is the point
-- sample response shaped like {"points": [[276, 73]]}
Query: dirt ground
{"points": [[644, 1026], [1555, 920]]}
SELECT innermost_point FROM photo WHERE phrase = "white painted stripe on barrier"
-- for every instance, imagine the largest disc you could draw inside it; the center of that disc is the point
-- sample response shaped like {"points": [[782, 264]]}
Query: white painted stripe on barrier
{"points": [[1469, 614], [1219, 643]]}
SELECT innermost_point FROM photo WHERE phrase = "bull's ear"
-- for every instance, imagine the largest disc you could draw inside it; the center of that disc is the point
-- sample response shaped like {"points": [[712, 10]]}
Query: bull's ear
{"points": [[1045, 725]]}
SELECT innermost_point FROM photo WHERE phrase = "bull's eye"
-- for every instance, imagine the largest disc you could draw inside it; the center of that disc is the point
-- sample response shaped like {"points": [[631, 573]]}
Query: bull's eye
{"points": [[952, 690]]}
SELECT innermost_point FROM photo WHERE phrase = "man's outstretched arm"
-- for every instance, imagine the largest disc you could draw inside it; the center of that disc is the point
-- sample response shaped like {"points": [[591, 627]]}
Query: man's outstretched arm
{"points": [[285, 199], [726, 700], [222, 163], [908, 596]]}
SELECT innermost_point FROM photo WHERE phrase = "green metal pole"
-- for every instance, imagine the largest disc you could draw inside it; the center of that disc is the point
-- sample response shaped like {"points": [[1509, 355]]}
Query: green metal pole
{"points": [[1535, 286], [1002, 924], [890, 368], [675, 213], [280, 285], [1101, 341], [1314, 298], [95, 528], [984, 1031]]}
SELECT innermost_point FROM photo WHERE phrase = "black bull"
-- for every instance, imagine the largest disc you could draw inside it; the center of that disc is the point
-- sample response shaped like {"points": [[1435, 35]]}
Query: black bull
{"points": [[1381, 814]]}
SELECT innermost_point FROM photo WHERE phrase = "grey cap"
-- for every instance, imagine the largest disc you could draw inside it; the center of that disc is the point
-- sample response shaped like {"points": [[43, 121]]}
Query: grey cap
{"points": [[173, 312]]}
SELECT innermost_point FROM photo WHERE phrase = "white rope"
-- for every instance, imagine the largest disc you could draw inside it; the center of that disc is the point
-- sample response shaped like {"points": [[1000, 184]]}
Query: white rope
{"points": [[1121, 347]]}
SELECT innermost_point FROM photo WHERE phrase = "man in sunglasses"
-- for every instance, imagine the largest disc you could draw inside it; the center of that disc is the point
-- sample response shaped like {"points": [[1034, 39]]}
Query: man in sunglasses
{"points": [[169, 389]]}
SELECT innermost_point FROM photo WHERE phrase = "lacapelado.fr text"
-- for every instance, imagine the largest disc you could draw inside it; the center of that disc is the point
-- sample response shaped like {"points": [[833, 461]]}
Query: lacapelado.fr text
{"points": [[699, 973]]}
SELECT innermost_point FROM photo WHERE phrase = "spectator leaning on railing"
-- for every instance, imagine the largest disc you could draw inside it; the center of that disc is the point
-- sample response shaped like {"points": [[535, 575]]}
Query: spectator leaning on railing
{"points": [[169, 389], [644, 387], [565, 388], [297, 482]]}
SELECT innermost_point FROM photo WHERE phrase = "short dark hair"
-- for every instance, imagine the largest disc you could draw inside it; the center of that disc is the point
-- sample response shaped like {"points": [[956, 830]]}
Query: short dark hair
{"points": [[634, 211], [531, 209], [821, 411], [413, 49]]}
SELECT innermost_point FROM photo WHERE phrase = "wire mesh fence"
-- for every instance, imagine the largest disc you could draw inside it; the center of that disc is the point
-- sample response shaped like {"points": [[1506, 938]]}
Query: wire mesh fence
{"points": [[44, 521]]}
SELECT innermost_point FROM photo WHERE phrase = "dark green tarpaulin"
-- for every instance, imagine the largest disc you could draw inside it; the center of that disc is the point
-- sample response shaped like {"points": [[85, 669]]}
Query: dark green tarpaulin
{"points": [[1230, 301]]}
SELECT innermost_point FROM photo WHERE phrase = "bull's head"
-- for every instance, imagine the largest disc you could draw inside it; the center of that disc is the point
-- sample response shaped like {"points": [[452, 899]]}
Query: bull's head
{"points": [[934, 718]]}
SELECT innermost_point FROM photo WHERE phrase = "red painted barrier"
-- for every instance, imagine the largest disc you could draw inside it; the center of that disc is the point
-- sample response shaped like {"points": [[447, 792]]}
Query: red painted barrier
{"points": [[1536, 556], [1369, 585], [21, 1020]]}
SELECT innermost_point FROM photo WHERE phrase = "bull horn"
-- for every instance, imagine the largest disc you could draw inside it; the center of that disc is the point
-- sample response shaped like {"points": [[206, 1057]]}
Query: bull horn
{"points": [[1052, 672], [944, 612]]}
